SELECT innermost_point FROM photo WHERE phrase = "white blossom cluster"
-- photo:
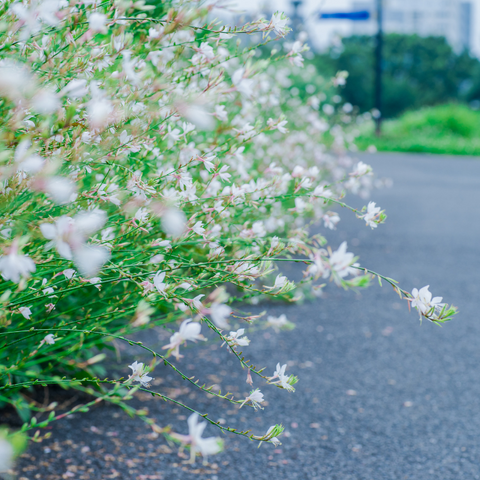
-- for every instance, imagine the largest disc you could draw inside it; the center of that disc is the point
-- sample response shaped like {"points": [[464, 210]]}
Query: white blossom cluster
{"points": [[147, 159]]}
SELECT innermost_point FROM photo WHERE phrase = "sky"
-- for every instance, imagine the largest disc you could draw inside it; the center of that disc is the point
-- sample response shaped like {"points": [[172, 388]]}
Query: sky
{"points": [[323, 31]]}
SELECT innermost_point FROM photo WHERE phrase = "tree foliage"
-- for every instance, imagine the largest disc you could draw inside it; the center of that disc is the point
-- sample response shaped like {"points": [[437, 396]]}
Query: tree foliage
{"points": [[417, 71]]}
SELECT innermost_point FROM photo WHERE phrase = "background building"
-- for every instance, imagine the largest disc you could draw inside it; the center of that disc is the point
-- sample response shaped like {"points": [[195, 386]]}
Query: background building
{"points": [[458, 20], [451, 19]]}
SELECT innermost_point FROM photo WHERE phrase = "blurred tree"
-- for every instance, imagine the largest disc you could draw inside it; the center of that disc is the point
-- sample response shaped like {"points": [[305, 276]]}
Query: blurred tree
{"points": [[418, 71]]}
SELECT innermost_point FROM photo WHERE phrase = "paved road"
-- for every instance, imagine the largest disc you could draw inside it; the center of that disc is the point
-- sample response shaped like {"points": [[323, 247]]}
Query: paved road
{"points": [[416, 411]]}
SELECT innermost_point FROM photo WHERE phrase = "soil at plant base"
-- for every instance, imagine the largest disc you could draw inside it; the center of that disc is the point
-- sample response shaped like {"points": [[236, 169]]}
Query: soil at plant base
{"points": [[380, 395]]}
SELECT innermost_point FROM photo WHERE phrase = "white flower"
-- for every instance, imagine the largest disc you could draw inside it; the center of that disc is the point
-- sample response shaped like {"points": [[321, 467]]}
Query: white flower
{"points": [[49, 339], [69, 273], [219, 313], [321, 191], [187, 128], [258, 229], [204, 446], [68, 236], [279, 371], [280, 281], [256, 397], [61, 189], [25, 311], [196, 303], [222, 173], [6, 455], [234, 338], [15, 79], [423, 301], [276, 442], [60, 235], [278, 322], [173, 222], [243, 85], [97, 22], [221, 113], [13, 266], [138, 374], [281, 126], [89, 259], [188, 331], [371, 215], [361, 169], [341, 262], [75, 89], [331, 220], [69, 233], [279, 23], [198, 228], [45, 102], [48, 290], [96, 282], [99, 108], [141, 215], [158, 282], [282, 378]]}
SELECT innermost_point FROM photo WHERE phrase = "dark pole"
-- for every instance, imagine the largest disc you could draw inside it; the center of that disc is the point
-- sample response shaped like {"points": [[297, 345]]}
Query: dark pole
{"points": [[378, 67], [296, 16]]}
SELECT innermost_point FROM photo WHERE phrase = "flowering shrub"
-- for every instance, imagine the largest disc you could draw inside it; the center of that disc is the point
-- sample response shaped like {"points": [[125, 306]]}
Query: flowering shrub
{"points": [[148, 160]]}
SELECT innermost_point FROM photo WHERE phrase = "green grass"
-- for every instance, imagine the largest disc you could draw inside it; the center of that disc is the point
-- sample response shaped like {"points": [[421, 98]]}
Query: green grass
{"points": [[449, 129]]}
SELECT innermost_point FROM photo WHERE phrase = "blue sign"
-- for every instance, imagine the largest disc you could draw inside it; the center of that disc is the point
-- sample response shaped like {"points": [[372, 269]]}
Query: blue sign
{"points": [[355, 16]]}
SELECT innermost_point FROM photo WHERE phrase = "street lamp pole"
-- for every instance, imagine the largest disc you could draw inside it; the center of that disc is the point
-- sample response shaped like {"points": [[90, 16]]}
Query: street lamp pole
{"points": [[378, 67], [296, 16]]}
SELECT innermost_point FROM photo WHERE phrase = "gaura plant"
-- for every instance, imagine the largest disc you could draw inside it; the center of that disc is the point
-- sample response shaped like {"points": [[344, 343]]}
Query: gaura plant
{"points": [[149, 158]]}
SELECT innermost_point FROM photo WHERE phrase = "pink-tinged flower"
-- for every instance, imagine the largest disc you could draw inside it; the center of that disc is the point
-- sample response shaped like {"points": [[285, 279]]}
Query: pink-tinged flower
{"points": [[147, 287], [139, 374], [14, 265], [25, 311], [204, 446], [331, 220], [372, 214], [188, 331], [50, 307], [422, 300], [256, 398]]}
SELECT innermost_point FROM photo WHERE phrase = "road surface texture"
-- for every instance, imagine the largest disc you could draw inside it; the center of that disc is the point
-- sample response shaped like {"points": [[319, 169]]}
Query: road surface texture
{"points": [[380, 396]]}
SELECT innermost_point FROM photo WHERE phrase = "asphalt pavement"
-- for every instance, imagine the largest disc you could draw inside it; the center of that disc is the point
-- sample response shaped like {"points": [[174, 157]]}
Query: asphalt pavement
{"points": [[380, 395]]}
